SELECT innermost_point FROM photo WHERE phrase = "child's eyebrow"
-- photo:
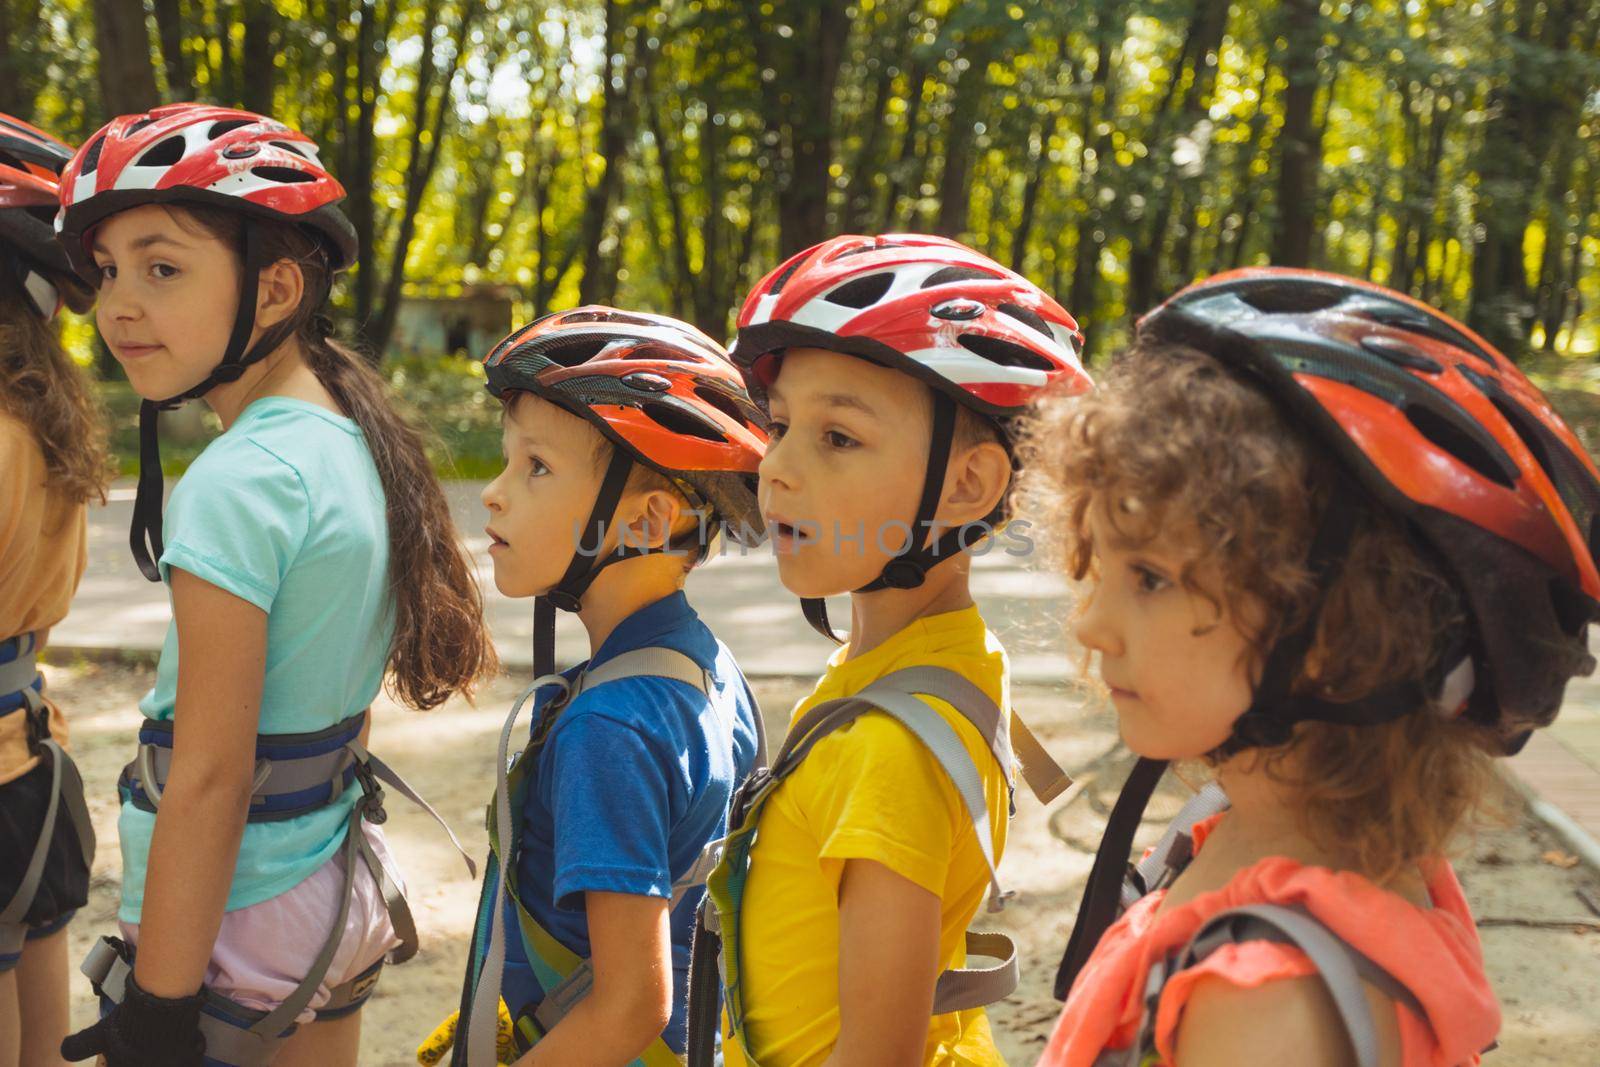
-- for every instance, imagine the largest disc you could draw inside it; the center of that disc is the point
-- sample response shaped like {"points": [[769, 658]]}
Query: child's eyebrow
{"points": [[847, 400], [139, 243]]}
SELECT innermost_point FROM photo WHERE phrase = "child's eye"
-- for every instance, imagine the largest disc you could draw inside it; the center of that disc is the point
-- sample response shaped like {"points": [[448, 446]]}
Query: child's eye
{"points": [[536, 467], [1149, 581], [107, 271], [776, 429], [163, 270], [839, 440]]}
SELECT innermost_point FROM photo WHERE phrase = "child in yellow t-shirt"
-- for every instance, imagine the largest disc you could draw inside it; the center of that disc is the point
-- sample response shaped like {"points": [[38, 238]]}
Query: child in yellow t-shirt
{"points": [[889, 367]]}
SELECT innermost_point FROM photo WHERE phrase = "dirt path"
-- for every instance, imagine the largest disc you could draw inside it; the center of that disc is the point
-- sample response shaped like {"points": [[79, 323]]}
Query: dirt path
{"points": [[1546, 978]]}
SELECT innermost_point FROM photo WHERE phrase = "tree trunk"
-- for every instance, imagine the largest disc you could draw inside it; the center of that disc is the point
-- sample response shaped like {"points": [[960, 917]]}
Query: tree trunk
{"points": [[1083, 297], [1298, 142], [169, 27], [127, 79], [916, 82], [424, 158], [359, 181], [260, 43]]}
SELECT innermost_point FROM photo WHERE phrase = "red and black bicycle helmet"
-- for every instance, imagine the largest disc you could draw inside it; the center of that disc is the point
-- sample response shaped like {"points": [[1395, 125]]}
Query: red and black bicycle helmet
{"points": [[975, 333], [1427, 420], [1434, 424], [30, 163], [666, 396], [203, 155]]}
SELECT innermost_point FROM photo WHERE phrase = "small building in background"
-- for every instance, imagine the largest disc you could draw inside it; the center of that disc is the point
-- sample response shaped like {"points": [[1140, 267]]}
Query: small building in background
{"points": [[464, 320]]}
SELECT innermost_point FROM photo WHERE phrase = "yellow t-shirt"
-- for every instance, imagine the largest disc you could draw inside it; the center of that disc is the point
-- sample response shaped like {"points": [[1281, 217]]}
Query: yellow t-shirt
{"points": [[868, 791], [43, 550]]}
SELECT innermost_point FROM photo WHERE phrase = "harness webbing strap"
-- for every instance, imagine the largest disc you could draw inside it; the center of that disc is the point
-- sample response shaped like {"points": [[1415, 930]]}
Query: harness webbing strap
{"points": [[1153, 870], [481, 1021], [21, 670], [66, 789], [1340, 965]]}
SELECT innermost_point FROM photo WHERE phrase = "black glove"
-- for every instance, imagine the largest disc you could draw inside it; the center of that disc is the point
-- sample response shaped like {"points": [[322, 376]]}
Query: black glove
{"points": [[143, 1031]]}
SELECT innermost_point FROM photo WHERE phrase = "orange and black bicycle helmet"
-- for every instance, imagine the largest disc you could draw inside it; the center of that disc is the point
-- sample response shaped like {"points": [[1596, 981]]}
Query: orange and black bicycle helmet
{"points": [[665, 395]]}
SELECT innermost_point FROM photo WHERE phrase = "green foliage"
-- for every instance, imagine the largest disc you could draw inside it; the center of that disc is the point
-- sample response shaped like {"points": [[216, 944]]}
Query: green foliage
{"points": [[1112, 149]]}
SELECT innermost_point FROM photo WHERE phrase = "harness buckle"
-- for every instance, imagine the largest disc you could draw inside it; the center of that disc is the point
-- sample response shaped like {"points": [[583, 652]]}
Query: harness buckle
{"points": [[36, 719], [372, 794]]}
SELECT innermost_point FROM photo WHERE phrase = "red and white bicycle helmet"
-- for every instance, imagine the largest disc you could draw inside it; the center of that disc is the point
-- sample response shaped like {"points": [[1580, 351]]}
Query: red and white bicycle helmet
{"points": [[30, 161], [665, 395], [1434, 424], [977, 334], [929, 306], [203, 155]]}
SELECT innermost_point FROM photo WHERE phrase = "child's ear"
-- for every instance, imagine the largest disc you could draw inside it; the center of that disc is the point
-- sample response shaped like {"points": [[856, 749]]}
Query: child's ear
{"points": [[655, 514], [977, 480], [279, 292]]}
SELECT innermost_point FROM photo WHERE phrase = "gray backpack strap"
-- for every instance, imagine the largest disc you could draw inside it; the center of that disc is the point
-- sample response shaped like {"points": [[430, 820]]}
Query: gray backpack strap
{"points": [[1341, 966], [897, 695], [1173, 851], [653, 662]]}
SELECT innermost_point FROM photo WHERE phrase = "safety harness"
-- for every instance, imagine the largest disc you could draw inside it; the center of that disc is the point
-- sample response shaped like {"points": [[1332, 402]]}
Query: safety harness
{"points": [[1341, 966], [22, 692], [716, 958], [565, 977], [295, 774]]}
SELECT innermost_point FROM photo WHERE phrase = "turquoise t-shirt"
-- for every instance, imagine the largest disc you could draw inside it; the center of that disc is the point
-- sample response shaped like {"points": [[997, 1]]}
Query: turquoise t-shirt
{"points": [[286, 511]]}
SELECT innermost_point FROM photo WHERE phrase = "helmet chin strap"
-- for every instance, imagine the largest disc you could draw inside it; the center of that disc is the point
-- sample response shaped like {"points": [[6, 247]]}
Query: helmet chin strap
{"points": [[145, 536]]}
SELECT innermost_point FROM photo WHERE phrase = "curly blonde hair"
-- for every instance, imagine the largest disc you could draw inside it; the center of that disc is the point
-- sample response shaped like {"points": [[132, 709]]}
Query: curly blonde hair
{"points": [[1181, 446]]}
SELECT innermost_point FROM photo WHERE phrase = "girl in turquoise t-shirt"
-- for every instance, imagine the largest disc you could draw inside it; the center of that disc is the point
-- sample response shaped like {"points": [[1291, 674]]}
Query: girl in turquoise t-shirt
{"points": [[309, 551]]}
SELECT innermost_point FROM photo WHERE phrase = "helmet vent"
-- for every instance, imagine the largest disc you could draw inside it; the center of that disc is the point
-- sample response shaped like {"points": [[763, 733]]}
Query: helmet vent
{"points": [[285, 145], [91, 158], [788, 272], [285, 175], [573, 351], [227, 126], [723, 403], [861, 292], [1451, 438], [1291, 295], [876, 246], [163, 153], [1027, 317], [946, 275], [604, 316], [139, 125], [1005, 353], [681, 422], [1575, 485]]}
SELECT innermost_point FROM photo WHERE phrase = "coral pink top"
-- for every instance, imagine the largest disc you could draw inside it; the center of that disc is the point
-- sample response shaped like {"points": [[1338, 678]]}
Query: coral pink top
{"points": [[1434, 952]]}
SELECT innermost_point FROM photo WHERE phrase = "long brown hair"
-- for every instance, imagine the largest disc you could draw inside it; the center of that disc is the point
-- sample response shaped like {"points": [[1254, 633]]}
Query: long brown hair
{"points": [[42, 388], [440, 644]]}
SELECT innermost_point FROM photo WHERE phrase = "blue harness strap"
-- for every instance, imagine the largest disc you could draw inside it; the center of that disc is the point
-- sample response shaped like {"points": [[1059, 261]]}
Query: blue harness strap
{"points": [[295, 774]]}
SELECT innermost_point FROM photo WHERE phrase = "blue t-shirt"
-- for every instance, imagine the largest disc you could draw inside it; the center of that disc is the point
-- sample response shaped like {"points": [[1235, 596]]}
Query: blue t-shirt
{"points": [[633, 781], [286, 511]]}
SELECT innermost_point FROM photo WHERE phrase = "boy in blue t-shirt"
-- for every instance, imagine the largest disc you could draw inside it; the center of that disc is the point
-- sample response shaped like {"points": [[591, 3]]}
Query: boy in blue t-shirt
{"points": [[629, 439]]}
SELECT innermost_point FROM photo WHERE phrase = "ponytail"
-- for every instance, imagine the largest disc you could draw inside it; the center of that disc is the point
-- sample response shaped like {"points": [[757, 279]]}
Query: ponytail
{"points": [[440, 644]]}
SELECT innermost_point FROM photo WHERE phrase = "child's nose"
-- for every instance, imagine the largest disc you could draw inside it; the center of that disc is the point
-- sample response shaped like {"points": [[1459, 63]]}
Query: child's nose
{"points": [[491, 496], [775, 468], [1094, 627]]}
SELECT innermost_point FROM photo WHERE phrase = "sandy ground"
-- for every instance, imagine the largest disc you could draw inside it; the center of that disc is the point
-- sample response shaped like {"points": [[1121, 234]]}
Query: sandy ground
{"points": [[1547, 977]]}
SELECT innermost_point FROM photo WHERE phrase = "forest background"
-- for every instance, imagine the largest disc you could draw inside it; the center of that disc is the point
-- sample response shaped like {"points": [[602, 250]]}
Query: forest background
{"points": [[664, 154]]}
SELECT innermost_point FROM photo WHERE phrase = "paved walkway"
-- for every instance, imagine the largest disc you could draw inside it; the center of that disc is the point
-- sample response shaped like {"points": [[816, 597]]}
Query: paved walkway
{"points": [[741, 599]]}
